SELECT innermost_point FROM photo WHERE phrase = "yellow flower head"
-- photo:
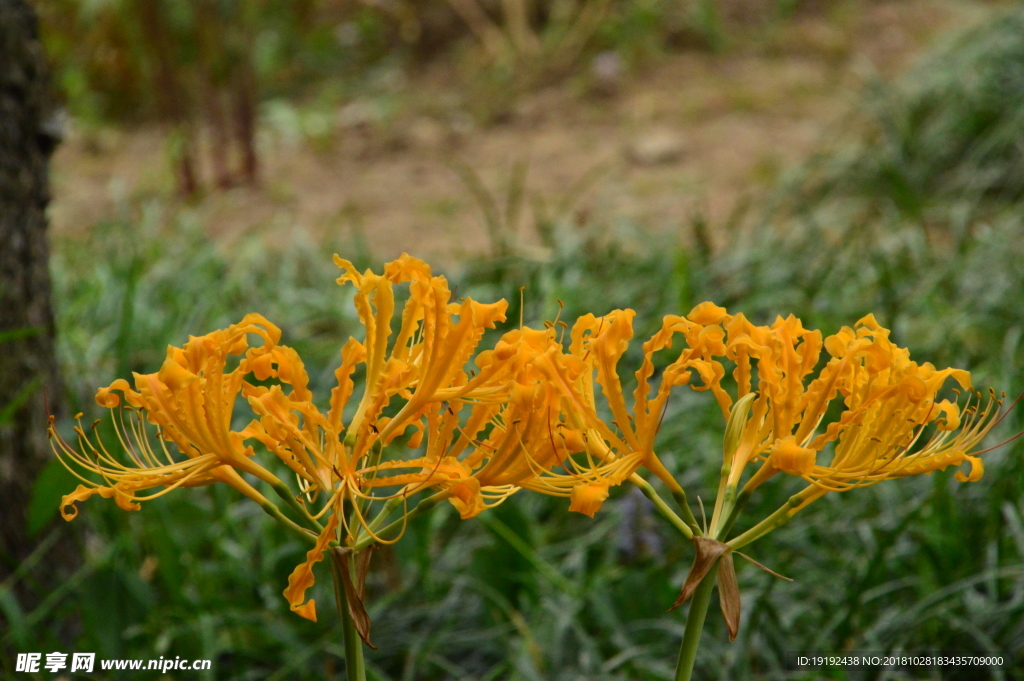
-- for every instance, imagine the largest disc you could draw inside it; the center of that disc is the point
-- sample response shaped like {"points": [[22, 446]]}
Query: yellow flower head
{"points": [[612, 451], [886, 402], [190, 401]]}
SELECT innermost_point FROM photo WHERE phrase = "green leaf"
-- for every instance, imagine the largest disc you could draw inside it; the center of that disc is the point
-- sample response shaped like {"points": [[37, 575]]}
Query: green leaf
{"points": [[53, 483], [7, 410], [15, 618]]}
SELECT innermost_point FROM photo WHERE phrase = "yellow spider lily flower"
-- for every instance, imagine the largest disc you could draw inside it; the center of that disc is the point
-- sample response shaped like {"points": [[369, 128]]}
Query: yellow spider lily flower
{"points": [[886, 402], [588, 498], [191, 399], [616, 450], [191, 403], [888, 399], [424, 366]]}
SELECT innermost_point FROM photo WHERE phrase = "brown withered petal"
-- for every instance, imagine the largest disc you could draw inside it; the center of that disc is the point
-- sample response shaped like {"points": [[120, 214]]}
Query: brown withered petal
{"points": [[354, 587], [729, 594], [708, 551]]}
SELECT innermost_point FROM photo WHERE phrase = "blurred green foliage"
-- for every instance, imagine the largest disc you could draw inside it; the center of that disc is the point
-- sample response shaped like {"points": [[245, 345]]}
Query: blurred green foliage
{"points": [[914, 215], [916, 218], [109, 55], [134, 284], [108, 65], [202, 68]]}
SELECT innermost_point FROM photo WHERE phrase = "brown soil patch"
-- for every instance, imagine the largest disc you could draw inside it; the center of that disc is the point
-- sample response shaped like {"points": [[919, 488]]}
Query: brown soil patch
{"points": [[689, 134]]}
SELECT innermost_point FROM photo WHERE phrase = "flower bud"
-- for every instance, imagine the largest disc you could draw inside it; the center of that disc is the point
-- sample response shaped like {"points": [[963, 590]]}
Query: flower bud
{"points": [[737, 421]]}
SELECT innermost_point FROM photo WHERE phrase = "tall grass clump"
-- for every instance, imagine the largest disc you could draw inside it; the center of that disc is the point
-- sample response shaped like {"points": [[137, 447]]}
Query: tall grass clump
{"points": [[551, 255], [149, 276], [913, 214]]}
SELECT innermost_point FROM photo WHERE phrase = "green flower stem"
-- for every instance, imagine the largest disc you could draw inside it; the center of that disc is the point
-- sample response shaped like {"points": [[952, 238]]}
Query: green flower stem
{"points": [[274, 512], [684, 505], [662, 507], [389, 507], [741, 499], [421, 508], [695, 625], [285, 493], [734, 514], [355, 667], [776, 520]]}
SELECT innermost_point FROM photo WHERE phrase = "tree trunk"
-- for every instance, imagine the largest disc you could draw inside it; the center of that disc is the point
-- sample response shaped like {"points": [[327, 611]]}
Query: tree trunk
{"points": [[175, 109], [28, 366], [245, 120]]}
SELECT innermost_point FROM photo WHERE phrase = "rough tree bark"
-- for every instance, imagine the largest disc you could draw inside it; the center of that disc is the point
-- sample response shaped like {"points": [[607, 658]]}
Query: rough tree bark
{"points": [[27, 362]]}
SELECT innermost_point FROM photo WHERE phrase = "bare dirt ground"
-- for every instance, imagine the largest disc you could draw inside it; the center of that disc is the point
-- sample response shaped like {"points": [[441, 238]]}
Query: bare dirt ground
{"points": [[689, 134]]}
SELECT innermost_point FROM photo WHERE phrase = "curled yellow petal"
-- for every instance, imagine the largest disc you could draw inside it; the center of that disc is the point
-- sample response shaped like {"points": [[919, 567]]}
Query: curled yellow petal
{"points": [[914, 389], [125, 500], [838, 344], [262, 366], [302, 577], [81, 493], [707, 313], [574, 440], [977, 470], [466, 498], [351, 273], [407, 268], [175, 376], [106, 398], [951, 412], [587, 498]]}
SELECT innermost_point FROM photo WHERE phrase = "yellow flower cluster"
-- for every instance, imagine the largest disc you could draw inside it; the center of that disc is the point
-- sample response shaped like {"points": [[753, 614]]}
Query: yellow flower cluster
{"points": [[885, 402], [526, 417]]}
